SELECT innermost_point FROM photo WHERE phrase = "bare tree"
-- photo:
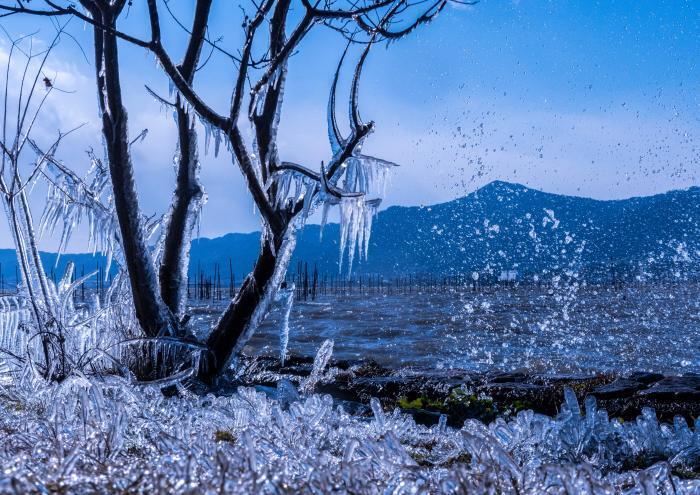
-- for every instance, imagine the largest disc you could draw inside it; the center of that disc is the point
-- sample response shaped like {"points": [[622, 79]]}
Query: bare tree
{"points": [[284, 192], [26, 89], [15, 139]]}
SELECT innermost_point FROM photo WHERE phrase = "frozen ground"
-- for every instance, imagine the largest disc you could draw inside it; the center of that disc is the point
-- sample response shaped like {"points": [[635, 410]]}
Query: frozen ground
{"points": [[96, 436]]}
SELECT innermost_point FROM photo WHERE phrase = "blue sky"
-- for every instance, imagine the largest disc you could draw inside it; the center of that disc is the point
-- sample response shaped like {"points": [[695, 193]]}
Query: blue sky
{"points": [[597, 99]]}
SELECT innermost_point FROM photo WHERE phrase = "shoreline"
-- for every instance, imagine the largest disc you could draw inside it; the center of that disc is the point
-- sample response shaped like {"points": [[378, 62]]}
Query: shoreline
{"points": [[462, 395]]}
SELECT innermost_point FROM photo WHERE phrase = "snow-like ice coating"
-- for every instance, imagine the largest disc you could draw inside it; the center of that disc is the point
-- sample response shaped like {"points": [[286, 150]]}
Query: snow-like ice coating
{"points": [[90, 434]]}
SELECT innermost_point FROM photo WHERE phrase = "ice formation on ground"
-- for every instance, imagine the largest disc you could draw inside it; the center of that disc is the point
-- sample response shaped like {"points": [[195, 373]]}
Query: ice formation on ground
{"points": [[105, 434], [323, 357]]}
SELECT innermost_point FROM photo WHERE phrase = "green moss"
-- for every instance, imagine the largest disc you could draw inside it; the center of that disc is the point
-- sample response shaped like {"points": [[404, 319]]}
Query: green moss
{"points": [[458, 398], [462, 396], [404, 403], [420, 403], [459, 405]]}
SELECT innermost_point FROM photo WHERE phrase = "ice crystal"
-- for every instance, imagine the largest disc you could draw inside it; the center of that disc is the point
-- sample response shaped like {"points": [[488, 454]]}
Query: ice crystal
{"points": [[323, 356], [286, 295], [107, 435]]}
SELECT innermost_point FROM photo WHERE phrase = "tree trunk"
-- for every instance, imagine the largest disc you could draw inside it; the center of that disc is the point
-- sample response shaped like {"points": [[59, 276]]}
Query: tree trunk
{"points": [[182, 219], [251, 304], [188, 191], [152, 314]]}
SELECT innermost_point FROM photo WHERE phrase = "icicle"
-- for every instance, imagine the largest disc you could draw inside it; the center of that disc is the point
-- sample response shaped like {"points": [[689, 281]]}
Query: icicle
{"points": [[308, 199], [324, 220], [323, 356], [354, 230], [288, 296], [352, 220], [345, 217], [207, 136], [379, 416], [191, 116], [217, 142]]}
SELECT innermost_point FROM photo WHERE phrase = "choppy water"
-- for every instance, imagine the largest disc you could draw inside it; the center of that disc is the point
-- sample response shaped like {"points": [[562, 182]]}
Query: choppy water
{"points": [[569, 329]]}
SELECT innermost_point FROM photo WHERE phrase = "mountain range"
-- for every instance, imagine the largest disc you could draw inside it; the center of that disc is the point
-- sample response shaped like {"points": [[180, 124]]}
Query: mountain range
{"points": [[501, 226]]}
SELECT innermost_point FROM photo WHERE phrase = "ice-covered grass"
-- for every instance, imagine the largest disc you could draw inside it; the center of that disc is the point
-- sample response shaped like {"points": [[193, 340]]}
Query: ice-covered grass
{"points": [[104, 434]]}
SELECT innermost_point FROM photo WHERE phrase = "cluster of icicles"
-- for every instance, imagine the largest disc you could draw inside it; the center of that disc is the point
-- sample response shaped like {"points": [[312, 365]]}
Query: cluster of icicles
{"points": [[70, 199], [356, 212], [104, 434], [82, 325]]}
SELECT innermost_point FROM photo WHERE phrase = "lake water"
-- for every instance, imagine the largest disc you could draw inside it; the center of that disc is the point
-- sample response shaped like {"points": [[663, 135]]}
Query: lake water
{"points": [[565, 329]]}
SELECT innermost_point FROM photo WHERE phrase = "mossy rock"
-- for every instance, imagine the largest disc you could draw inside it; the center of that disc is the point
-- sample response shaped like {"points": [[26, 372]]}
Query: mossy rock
{"points": [[458, 406]]}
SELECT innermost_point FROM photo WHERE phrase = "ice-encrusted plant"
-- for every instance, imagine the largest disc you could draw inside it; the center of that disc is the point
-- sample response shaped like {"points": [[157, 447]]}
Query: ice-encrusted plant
{"points": [[106, 434], [42, 328], [14, 186], [21, 106]]}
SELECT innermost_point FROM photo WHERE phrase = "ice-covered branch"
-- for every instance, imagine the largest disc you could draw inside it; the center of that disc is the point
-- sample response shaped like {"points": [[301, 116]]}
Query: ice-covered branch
{"points": [[188, 194], [184, 88], [337, 141], [70, 198]]}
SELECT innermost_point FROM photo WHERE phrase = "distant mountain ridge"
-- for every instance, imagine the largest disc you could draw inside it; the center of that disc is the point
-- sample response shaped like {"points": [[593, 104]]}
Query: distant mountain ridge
{"points": [[501, 226]]}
